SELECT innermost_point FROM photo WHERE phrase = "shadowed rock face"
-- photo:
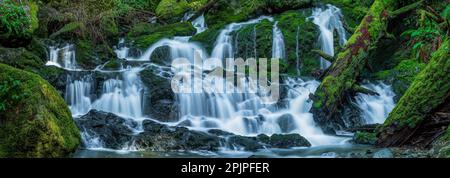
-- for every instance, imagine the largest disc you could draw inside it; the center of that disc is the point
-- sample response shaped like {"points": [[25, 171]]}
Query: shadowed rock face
{"points": [[115, 132]]}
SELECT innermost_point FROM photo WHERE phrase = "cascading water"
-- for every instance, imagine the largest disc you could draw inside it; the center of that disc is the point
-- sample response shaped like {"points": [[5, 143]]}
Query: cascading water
{"points": [[328, 20], [240, 113], [122, 95], [223, 47], [121, 49], [375, 109], [78, 94], [278, 49], [63, 57], [244, 113], [200, 24]]}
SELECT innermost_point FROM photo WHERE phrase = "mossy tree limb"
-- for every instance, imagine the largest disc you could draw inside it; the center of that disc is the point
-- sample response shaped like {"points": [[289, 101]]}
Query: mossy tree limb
{"points": [[342, 75], [424, 107], [324, 55]]}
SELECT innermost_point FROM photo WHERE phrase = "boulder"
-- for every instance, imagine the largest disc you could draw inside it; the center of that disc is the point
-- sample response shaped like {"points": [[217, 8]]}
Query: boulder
{"points": [[35, 121], [286, 123], [112, 130]]}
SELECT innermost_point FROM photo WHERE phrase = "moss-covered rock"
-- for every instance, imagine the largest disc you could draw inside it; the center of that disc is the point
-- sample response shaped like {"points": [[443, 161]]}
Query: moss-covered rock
{"points": [[149, 35], [23, 59], [207, 38], [225, 11], [35, 121]]}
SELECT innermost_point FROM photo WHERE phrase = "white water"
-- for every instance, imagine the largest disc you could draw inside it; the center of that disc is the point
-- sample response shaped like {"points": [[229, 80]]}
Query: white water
{"points": [[242, 113], [63, 57], [123, 95], [200, 24], [278, 49], [78, 94], [223, 47], [329, 20], [376, 108], [121, 49]]}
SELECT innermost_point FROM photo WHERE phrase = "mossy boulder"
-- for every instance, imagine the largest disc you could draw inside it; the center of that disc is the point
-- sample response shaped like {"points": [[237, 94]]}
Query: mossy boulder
{"points": [[145, 35], [26, 60], [35, 121], [225, 12]]}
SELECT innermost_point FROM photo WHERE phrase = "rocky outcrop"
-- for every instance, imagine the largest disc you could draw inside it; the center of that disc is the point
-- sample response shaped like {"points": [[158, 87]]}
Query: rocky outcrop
{"points": [[115, 132]]}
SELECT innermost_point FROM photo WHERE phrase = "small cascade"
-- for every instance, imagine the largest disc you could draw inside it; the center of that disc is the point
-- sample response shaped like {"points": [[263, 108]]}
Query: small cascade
{"points": [[179, 47], [78, 94], [63, 57], [375, 109], [223, 47], [122, 95], [278, 49], [122, 50], [200, 24], [329, 20]]}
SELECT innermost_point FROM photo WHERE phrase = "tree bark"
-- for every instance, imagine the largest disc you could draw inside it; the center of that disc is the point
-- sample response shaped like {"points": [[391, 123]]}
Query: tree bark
{"points": [[424, 111], [342, 75]]}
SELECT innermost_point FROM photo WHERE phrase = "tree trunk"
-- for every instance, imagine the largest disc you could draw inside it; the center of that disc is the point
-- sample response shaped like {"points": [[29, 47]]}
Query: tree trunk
{"points": [[341, 76], [423, 113]]}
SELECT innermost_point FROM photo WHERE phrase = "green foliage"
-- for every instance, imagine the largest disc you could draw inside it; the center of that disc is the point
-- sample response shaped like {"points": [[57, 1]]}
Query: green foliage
{"points": [[8, 93], [365, 138], [426, 92], [17, 19]]}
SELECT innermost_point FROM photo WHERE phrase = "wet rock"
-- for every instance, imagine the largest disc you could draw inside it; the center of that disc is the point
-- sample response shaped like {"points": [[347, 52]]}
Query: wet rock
{"points": [[286, 123], [185, 123], [159, 137], [247, 143], [112, 130], [288, 141], [160, 99], [384, 153], [218, 132]]}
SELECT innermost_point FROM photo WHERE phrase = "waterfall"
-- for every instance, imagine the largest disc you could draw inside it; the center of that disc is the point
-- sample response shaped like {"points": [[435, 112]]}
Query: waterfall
{"points": [[223, 47], [278, 49], [121, 49], [200, 24], [78, 94], [62, 57], [123, 95], [243, 113], [328, 20], [375, 109]]}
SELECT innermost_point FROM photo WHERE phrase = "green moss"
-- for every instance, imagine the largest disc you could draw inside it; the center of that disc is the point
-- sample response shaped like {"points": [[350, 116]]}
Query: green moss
{"points": [[207, 38], [293, 23], [18, 21], [39, 125], [426, 92], [365, 138], [160, 32], [401, 76], [173, 10]]}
